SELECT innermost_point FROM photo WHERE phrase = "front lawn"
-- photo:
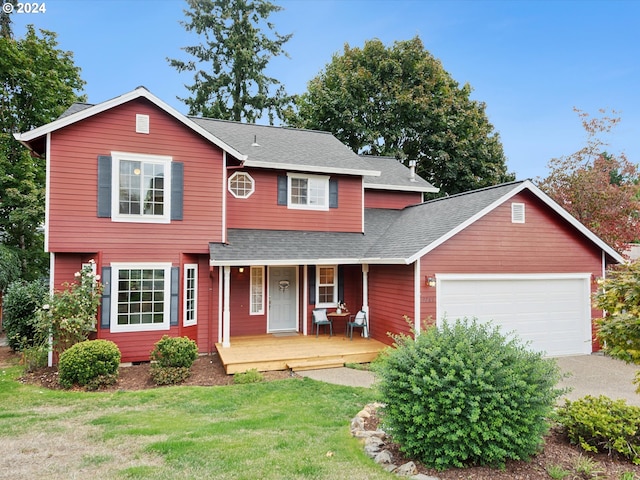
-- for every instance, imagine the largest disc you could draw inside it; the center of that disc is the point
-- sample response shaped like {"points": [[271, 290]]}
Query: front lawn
{"points": [[287, 429]]}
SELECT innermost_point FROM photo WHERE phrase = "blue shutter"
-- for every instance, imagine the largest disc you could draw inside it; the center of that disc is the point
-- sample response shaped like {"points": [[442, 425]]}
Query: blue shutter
{"points": [[105, 306], [175, 284], [177, 190], [104, 186], [333, 193], [282, 190], [311, 273]]}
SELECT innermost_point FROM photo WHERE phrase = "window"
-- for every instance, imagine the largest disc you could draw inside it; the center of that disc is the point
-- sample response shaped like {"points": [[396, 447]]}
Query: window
{"points": [[241, 185], [142, 297], [143, 183], [308, 192], [257, 291], [190, 316], [327, 281]]}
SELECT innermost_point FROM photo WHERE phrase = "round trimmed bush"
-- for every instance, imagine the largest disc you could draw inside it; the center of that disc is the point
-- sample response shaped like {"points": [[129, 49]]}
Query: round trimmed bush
{"points": [[463, 394], [173, 357], [91, 363]]}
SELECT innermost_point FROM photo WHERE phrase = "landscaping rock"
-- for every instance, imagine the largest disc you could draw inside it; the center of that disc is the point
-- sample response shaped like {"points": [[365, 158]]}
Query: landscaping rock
{"points": [[406, 470]]}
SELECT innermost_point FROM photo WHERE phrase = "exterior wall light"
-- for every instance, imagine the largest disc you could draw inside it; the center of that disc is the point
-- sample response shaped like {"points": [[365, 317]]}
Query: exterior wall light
{"points": [[430, 281]]}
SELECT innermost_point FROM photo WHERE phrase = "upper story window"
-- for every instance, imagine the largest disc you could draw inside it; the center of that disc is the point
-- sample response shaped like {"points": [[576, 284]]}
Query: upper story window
{"points": [[308, 191], [241, 185], [143, 186]]}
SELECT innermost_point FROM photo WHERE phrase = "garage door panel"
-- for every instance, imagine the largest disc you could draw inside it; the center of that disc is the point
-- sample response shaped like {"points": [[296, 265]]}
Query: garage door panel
{"points": [[550, 312]]}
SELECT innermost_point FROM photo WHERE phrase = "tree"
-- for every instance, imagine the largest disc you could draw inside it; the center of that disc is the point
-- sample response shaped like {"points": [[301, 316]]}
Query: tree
{"points": [[39, 81], [235, 86], [599, 189], [400, 102]]}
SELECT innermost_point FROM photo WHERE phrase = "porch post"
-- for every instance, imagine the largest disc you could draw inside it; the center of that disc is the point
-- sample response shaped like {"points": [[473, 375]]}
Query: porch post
{"points": [[305, 297], [226, 313], [365, 296]]}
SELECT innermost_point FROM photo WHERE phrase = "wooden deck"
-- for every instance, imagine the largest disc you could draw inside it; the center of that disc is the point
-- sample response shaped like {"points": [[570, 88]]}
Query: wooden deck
{"points": [[295, 352]]}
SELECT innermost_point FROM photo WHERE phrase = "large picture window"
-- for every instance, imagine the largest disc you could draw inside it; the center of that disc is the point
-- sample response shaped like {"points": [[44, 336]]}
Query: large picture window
{"points": [[308, 192], [257, 290], [190, 315], [327, 285], [142, 296], [143, 186]]}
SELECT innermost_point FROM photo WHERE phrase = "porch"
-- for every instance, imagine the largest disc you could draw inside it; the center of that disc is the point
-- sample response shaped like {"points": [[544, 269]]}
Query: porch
{"points": [[295, 352]]}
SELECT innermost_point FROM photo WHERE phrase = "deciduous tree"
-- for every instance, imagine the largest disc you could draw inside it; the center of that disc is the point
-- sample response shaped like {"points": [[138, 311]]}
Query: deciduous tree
{"points": [[230, 80], [399, 101], [599, 189], [39, 81]]}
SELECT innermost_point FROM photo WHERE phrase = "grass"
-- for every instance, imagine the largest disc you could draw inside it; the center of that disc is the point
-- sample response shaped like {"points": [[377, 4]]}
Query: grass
{"points": [[289, 429]]}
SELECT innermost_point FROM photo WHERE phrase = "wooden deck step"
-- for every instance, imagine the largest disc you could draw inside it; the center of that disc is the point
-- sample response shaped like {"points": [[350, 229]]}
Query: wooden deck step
{"points": [[299, 365]]}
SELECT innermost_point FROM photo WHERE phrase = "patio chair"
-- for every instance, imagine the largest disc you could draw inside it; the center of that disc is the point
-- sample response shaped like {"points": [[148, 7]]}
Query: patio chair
{"points": [[320, 318], [359, 320]]}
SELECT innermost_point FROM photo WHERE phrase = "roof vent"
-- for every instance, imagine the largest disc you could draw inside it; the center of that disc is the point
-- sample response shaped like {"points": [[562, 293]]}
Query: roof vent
{"points": [[517, 213], [412, 167], [255, 141], [142, 123]]}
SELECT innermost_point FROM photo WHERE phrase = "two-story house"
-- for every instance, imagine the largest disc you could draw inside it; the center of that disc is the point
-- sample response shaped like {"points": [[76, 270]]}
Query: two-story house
{"points": [[215, 230]]}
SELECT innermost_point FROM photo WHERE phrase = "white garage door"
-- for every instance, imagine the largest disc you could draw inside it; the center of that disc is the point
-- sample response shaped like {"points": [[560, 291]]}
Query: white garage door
{"points": [[551, 311]]}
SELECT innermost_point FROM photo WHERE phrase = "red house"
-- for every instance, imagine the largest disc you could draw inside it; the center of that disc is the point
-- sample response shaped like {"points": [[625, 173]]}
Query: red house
{"points": [[215, 230]]}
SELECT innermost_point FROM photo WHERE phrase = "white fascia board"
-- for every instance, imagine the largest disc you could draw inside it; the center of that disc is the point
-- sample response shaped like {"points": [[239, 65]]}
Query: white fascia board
{"points": [[288, 261], [512, 276], [527, 184], [403, 188], [114, 102], [310, 168]]}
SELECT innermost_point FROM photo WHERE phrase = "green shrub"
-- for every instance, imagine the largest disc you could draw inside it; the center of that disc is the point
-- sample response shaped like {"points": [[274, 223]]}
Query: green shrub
{"points": [[600, 424], [173, 357], [91, 364], [35, 357], [464, 394], [250, 376], [21, 304]]}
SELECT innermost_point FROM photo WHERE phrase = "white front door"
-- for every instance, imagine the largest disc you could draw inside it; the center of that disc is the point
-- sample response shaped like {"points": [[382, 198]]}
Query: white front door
{"points": [[283, 299]]}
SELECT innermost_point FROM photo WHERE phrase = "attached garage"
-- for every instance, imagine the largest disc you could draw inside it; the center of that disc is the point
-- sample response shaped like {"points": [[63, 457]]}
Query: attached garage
{"points": [[551, 311]]}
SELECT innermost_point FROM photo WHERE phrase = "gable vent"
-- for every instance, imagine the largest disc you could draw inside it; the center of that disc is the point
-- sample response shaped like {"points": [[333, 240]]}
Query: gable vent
{"points": [[142, 123], [517, 213]]}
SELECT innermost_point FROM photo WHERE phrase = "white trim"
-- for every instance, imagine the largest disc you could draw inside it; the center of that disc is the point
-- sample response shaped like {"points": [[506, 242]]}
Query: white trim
{"points": [[237, 174], [305, 298], [47, 193], [262, 270], [401, 188], [335, 301], [527, 184], [116, 216], [311, 168], [226, 312], [186, 268], [308, 261], [317, 179], [139, 92], [52, 280], [417, 290], [225, 174], [165, 325], [220, 304]]}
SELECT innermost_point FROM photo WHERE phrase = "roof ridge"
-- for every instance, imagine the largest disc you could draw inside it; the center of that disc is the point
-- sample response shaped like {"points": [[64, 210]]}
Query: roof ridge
{"points": [[279, 127], [469, 192]]}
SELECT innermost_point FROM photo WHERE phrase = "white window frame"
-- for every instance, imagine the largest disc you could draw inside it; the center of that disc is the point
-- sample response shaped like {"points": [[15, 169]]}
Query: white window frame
{"points": [[164, 160], [334, 302], [115, 273], [190, 293], [313, 182], [256, 308], [248, 179]]}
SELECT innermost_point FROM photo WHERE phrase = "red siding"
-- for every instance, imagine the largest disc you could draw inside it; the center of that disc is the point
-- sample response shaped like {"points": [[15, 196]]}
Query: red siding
{"points": [[544, 244], [261, 209], [73, 223], [390, 299], [390, 199]]}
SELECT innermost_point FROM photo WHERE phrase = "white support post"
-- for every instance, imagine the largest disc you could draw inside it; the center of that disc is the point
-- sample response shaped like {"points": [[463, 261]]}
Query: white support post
{"points": [[365, 297], [305, 298], [226, 312]]}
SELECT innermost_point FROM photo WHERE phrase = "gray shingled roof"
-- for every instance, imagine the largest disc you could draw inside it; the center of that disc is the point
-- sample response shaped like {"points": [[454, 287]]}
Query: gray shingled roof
{"points": [[75, 108], [281, 147], [391, 236], [394, 176]]}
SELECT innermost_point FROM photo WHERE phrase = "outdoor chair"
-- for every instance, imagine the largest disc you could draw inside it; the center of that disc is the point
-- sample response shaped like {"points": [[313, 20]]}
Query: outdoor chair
{"points": [[320, 318], [359, 320]]}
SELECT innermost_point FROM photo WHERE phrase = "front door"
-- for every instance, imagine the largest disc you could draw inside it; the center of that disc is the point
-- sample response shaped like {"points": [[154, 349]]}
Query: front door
{"points": [[283, 299]]}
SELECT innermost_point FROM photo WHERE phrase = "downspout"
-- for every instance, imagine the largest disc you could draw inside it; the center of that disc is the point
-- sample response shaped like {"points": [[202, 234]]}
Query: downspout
{"points": [[224, 197]]}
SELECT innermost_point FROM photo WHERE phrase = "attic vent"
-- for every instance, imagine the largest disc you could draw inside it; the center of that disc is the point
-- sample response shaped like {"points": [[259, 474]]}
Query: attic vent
{"points": [[517, 213], [142, 123]]}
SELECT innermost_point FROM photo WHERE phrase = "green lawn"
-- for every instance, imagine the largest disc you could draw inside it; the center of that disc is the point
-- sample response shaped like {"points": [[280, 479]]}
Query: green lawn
{"points": [[289, 429]]}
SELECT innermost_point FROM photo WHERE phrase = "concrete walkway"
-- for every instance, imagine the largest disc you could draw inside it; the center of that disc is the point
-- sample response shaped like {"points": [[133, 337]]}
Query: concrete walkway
{"points": [[587, 375]]}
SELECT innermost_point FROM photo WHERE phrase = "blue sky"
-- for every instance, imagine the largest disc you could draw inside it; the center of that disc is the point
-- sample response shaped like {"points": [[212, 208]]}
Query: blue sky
{"points": [[531, 62]]}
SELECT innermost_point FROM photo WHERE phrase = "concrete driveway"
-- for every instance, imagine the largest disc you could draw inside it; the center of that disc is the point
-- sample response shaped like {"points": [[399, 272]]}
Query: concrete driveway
{"points": [[587, 375]]}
